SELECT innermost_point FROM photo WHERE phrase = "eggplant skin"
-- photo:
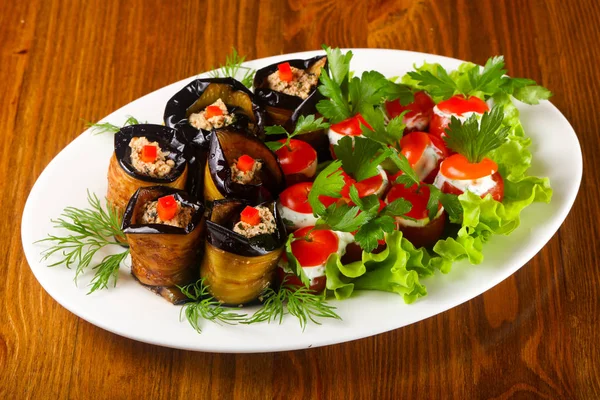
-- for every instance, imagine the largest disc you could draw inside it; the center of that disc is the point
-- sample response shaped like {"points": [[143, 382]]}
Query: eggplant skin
{"points": [[163, 255], [124, 180], [236, 269], [200, 93], [226, 145], [284, 109]]}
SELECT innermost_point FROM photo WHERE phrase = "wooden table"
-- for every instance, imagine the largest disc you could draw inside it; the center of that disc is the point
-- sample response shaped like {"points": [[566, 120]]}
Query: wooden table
{"points": [[536, 335]]}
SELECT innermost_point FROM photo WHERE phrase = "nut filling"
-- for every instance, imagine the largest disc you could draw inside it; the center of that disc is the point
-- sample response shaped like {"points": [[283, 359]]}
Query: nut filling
{"points": [[181, 219], [159, 168], [207, 122], [246, 177], [301, 84], [266, 226]]}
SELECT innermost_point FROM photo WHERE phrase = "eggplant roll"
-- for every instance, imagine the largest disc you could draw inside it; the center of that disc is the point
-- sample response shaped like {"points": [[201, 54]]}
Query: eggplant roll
{"points": [[188, 109], [225, 178], [237, 269], [285, 103], [127, 170], [164, 253]]}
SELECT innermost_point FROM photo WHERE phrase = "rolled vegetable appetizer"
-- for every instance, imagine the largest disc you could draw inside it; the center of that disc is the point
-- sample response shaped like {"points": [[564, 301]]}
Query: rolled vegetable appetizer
{"points": [[164, 228], [241, 166], [145, 155], [351, 127], [424, 152], [243, 245], [207, 104], [288, 90]]}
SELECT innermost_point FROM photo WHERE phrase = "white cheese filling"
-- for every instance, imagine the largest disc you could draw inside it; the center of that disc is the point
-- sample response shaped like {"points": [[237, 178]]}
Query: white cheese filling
{"points": [[419, 121], [296, 219], [477, 186], [335, 137], [428, 161]]}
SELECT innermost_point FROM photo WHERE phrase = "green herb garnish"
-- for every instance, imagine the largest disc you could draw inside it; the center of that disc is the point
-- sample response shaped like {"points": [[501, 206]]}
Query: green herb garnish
{"points": [[232, 67], [297, 301], [205, 307], [305, 124], [107, 127], [91, 229]]}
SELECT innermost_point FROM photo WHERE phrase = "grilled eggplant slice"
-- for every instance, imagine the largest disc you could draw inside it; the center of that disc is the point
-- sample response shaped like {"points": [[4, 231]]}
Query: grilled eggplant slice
{"points": [[284, 109], [226, 146], [164, 256], [124, 179], [237, 269], [195, 97]]}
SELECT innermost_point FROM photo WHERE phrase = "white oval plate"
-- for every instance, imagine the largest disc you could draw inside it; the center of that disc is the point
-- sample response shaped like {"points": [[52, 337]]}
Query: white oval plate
{"points": [[134, 312]]}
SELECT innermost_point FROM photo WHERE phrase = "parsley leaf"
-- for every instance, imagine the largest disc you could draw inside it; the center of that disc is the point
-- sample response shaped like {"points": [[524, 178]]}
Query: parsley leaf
{"points": [[473, 140], [386, 134], [438, 83], [338, 64], [336, 108], [452, 206], [370, 233], [397, 208], [343, 217], [397, 91], [368, 90], [305, 124], [361, 158], [329, 182], [232, 67]]}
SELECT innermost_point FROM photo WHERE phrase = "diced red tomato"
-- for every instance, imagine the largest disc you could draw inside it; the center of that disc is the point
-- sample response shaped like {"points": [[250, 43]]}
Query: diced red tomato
{"points": [[250, 216], [456, 105], [166, 207], [149, 153], [419, 112], [213, 111], [298, 160], [313, 247], [295, 197], [285, 72], [245, 163]]}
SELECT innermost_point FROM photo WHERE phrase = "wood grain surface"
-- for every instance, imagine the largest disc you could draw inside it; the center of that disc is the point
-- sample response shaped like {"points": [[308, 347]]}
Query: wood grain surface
{"points": [[536, 335]]}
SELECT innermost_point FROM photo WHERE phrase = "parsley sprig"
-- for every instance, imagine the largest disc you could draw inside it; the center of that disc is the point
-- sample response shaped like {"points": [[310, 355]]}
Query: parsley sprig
{"points": [[205, 307], [471, 80], [475, 139], [305, 124], [347, 95], [300, 302], [90, 230], [232, 67], [107, 127]]}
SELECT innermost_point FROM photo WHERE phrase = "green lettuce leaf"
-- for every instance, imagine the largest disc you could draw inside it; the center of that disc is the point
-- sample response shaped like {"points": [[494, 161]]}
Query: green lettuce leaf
{"points": [[397, 269]]}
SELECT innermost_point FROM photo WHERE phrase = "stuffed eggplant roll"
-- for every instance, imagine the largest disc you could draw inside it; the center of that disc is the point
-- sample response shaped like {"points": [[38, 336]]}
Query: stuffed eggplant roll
{"points": [[243, 245], [164, 228], [288, 90], [207, 104], [241, 166], [145, 155]]}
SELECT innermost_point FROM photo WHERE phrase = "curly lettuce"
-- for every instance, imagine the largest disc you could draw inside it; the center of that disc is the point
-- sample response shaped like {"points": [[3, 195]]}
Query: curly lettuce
{"points": [[396, 269]]}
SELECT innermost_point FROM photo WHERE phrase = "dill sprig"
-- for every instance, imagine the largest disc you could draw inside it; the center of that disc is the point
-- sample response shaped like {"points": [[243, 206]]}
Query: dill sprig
{"points": [[300, 302], [205, 307], [90, 230], [232, 66], [107, 127]]}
